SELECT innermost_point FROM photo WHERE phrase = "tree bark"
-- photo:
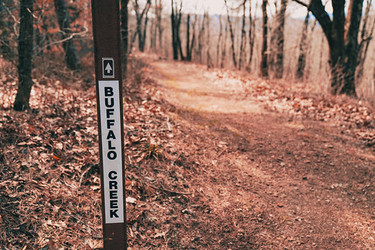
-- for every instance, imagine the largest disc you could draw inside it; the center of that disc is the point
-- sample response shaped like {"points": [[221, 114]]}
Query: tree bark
{"points": [[158, 13], [280, 40], [208, 45], [351, 48], [174, 38], [243, 36], [71, 57], [141, 27], [251, 36], [303, 48], [231, 36], [153, 31], [125, 33], [25, 50], [176, 15], [264, 61], [143, 44], [200, 39], [219, 41], [189, 43], [342, 36], [5, 48], [366, 37], [224, 49]]}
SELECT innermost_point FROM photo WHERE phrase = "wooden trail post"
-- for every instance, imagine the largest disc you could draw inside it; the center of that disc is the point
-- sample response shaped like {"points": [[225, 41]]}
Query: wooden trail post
{"points": [[106, 28]]}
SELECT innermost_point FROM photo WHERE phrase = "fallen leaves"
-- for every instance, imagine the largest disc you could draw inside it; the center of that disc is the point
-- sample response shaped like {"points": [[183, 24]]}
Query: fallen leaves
{"points": [[49, 181]]}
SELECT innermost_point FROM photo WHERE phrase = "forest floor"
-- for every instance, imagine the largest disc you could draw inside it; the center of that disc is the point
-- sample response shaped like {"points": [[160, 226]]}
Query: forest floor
{"points": [[215, 159]]}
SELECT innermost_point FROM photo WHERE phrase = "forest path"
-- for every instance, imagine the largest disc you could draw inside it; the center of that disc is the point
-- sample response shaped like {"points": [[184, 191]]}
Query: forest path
{"points": [[272, 182]]}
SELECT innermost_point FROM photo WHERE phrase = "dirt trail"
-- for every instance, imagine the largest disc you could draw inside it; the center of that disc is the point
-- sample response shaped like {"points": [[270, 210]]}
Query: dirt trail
{"points": [[273, 182]]}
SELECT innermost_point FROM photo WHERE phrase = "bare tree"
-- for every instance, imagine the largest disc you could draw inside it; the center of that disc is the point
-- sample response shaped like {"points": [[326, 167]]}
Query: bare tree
{"points": [[224, 48], [189, 41], [219, 41], [71, 57], [125, 32], [158, 16], [264, 61], [176, 16], [208, 44], [251, 34], [366, 37], [342, 35], [303, 48], [5, 47], [231, 35], [243, 35], [142, 21], [280, 40], [201, 36], [25, 51], [153, 34]]}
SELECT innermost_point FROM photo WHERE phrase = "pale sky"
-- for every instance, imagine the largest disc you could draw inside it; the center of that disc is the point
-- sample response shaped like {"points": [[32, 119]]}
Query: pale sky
{"points": [[218, 7]]}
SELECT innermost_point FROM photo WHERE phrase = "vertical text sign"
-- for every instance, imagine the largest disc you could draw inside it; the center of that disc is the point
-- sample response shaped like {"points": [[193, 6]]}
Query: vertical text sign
{"points": [[110, 117], [106, 29]]}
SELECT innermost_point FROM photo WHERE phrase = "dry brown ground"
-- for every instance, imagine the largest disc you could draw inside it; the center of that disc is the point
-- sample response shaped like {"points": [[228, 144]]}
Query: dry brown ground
{"points": [[214, 160], [271, 179]]}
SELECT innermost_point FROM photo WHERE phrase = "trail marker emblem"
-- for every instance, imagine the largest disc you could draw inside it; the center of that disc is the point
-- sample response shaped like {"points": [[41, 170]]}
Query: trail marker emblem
{"points": [[108, 68]]}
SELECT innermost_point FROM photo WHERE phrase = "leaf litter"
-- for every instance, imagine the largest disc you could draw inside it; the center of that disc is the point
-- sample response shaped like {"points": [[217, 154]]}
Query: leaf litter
{"points": [[49, 176]]}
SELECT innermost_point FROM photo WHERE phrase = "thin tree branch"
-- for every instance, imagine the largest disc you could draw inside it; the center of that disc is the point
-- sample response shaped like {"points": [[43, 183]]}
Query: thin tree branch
{"points": [[301, 3], [71, 36]]}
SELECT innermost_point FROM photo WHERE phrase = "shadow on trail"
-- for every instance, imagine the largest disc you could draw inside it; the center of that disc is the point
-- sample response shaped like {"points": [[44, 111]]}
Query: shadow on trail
{"points": [[296, 175], [284, 183]]}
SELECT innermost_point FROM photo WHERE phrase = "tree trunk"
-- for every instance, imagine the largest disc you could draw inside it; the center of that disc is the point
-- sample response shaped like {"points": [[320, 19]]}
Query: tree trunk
{"points": [[182, 57], [219, 41], [208, 44], [153, 31], [264, 61], [141, 27], [188, 45], [280, 40], [176, 22], [174, 40], [342, 37], [179, 16], [132, 41], [200, 39], [303, 49], [158, 13], [352, 47], [322, 52], [5, 48], [25, 50], [231, 36], [71, 57], [366, 37], [224, 49], [189, 42], [243, 35], [144, 36], [125, 33], [251, 36]]}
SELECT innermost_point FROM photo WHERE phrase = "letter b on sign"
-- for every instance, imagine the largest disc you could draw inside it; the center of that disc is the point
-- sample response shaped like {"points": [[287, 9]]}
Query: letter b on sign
{"points": [[108, 91]]}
